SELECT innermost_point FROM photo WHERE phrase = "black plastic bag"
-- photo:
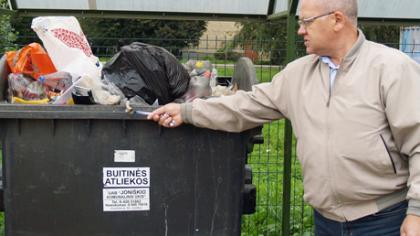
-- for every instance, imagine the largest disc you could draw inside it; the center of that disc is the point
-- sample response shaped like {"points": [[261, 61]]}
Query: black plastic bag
{"points": [[148, 71]]}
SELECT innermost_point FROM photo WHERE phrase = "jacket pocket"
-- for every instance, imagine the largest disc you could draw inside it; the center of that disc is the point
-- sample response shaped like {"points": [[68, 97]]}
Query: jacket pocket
{"points": [[389, 154]]}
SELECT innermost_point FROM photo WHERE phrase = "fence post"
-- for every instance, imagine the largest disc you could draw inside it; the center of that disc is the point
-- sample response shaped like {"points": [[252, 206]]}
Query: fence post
{"points": [[288, 133]]}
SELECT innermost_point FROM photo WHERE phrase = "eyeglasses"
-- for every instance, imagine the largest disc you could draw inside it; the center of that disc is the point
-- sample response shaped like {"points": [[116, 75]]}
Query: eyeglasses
{"points": [[307, 21]]}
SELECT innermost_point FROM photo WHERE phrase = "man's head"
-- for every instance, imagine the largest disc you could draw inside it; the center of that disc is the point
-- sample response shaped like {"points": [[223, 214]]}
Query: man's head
{"points": [[324, 23], [347, 7]]}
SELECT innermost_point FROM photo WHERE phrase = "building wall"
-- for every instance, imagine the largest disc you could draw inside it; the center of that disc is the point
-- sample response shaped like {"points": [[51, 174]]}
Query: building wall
{"points": [[216, 35]]}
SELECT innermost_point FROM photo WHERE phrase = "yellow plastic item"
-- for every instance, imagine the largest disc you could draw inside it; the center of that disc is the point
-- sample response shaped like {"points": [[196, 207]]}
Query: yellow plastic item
{"points": [[33, 102], [70, 101], [199, 64]]}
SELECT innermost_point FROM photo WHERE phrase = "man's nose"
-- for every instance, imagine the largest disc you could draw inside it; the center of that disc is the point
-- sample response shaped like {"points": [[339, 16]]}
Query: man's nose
{"points": [[301, 30]]}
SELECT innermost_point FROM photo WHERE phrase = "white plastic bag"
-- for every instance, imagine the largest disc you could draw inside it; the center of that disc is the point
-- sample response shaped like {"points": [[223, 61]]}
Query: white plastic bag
{"points": [[66, 45], [99, 92]]}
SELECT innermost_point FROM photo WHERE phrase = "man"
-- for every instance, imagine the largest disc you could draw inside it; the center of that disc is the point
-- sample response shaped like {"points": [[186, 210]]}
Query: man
{"points": [[355, 110]]}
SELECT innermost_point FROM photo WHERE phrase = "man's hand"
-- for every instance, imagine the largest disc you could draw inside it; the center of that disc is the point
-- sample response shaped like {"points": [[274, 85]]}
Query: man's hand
{"points": [[411, 226], [168, 116]]}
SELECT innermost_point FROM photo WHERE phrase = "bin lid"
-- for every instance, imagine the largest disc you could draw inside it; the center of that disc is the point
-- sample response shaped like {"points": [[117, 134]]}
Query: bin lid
{"points": [[11, 111]]}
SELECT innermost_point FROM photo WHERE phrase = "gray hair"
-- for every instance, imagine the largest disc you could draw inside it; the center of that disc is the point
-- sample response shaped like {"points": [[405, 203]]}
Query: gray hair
{"points": [[348, 7]]}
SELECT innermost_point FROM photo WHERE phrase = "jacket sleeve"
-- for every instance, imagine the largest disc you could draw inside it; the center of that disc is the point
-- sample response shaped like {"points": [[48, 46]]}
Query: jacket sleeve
{"points": [[402, 107], [241, 111]]}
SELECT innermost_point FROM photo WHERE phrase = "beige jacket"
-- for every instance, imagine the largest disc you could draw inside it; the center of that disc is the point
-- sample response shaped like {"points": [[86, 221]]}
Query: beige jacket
{"points": [[358, 143]]}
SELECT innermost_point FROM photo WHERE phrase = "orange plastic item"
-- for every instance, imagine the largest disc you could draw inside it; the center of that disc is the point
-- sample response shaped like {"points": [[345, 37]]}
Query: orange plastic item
{"points": [[31, 60]]}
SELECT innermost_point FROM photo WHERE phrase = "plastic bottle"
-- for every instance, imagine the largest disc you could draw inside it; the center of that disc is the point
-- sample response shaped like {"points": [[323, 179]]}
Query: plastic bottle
{"points": [[58, 81]]}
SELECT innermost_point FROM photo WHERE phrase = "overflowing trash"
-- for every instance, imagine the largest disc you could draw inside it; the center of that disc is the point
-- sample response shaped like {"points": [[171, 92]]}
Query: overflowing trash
{"points": [[202, 74], [23, 89], [31, 60], [66, 72], [67, 45], [148, 71], [70, 52]]}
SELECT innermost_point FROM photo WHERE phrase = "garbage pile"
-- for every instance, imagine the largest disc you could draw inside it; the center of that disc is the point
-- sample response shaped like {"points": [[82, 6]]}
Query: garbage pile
{"points": [[67, 72], [147, 73]]}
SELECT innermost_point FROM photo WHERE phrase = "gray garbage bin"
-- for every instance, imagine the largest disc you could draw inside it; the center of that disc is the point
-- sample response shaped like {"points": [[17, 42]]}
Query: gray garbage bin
{"points": [[96, 170]]}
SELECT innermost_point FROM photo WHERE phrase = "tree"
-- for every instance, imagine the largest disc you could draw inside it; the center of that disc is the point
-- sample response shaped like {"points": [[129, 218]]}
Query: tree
{"points": [[7, 34], [264, 37], [170, 34]]}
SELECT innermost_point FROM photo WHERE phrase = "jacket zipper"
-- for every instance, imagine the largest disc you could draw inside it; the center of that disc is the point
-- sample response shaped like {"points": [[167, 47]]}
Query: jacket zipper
{"points": [[389, 154], [329, 95], [329, 145], [330, 87]]}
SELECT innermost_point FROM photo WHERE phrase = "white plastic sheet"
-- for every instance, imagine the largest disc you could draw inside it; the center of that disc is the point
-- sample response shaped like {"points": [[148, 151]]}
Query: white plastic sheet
{"points": [[67, 45]]}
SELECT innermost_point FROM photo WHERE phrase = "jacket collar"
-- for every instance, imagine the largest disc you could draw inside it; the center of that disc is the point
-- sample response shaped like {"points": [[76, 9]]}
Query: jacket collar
{"points": [[354, 51]]}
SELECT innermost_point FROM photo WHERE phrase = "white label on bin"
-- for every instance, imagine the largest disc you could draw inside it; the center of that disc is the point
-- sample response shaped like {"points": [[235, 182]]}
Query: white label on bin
{"points": [[126, 199], [126, 177], [124, 156]]}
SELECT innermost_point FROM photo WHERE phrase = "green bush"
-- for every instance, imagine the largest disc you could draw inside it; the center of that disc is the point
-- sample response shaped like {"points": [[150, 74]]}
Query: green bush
{"points": [[227, 54]]}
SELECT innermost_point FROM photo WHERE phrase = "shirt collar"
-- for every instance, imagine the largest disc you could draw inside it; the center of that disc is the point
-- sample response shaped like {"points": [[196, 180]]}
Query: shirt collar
{"points": [[329, 62]]}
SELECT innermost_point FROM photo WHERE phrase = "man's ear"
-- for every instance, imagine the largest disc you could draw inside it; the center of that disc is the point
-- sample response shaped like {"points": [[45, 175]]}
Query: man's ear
{"points": [[340, 20]]}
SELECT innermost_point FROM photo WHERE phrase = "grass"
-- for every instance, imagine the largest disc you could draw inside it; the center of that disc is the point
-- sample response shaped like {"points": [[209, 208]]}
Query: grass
{"points": [[264, 74], [2, 224], [225, 68], [266, 162]]}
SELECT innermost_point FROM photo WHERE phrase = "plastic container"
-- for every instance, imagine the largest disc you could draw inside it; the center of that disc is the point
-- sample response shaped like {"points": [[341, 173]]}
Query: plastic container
{"points": [[64, 170], [58, 81], [64, 174], [24, 87]]}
